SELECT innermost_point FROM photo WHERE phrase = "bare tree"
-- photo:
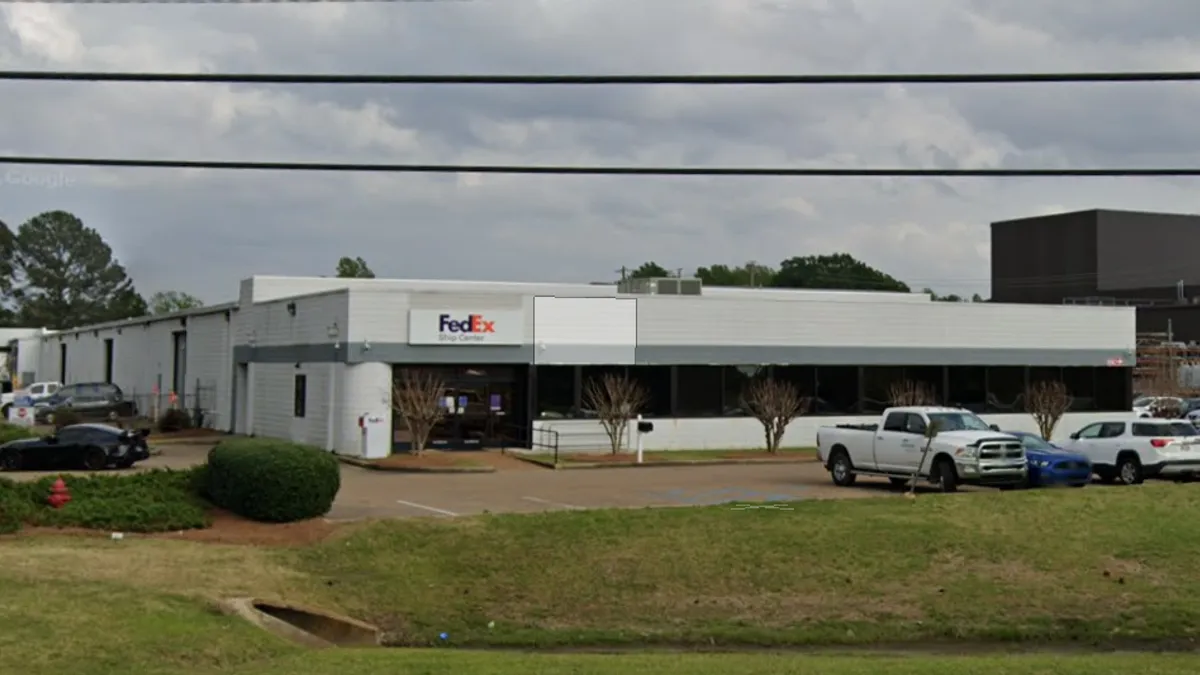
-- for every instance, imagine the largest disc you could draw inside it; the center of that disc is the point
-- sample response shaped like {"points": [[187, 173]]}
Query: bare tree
{"points": [[1047, 402], [775, 404], [615, 399], [908, 393], [417, 396], [931, 432]]}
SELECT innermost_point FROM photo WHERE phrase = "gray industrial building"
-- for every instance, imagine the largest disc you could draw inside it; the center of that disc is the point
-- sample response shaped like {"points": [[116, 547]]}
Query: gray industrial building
{"points": [[1104, 257]]}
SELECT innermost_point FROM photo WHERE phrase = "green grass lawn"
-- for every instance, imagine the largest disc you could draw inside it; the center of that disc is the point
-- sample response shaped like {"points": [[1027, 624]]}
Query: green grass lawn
{"points": [[444, 662], [1080, 566], [1094, 564]]}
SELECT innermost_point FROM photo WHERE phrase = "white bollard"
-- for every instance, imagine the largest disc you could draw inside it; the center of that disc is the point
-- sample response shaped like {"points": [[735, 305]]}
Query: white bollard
{"points": [[637, 430]]}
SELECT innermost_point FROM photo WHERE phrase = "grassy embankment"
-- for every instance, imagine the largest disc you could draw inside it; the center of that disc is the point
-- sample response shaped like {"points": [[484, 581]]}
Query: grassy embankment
{"points": [[1109, 566]]}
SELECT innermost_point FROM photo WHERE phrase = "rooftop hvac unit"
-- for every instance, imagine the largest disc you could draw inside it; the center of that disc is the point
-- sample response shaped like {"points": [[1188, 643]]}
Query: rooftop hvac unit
{"points": [[661, 286]]}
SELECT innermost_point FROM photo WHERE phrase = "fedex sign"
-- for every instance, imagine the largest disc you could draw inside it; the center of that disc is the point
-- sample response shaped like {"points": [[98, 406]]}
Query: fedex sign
{"points": [[462, 326], [472, 328]]}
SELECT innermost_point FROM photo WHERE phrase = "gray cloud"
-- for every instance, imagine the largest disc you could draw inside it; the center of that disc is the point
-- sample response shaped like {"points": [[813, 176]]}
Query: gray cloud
{"points": [[200, 231]]}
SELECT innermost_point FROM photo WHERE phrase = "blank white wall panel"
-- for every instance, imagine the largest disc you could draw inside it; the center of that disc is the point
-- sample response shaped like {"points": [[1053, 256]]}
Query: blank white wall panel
{"points": [[585, 330], [746, 433], [681, 321]]}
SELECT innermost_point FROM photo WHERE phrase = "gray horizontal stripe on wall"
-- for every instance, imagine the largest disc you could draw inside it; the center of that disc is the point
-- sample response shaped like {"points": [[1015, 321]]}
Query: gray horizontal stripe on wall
{"points": [[875, 356], [382, 352], [393, 352]]}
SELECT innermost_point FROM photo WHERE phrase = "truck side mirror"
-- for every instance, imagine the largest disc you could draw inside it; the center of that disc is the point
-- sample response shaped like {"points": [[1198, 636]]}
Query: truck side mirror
{"points": [[1075, 436], [645, 427], [994, 427]]}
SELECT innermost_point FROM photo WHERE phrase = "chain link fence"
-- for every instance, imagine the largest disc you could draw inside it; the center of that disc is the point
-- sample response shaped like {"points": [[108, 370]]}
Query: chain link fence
{"points": [[200, 402]]}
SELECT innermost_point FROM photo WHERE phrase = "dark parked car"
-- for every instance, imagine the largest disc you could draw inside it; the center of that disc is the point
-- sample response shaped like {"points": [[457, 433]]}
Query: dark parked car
{"points": [[88, 446], [89, 400]]}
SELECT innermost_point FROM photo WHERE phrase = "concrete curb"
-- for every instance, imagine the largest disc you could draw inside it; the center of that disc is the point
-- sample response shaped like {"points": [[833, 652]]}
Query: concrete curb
{"points": [[568, 465], [371, 466], [194, 440]]}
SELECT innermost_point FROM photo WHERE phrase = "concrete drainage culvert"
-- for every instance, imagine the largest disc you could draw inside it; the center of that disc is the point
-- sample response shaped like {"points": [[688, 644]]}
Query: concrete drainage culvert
{"points": [[307, 626]]}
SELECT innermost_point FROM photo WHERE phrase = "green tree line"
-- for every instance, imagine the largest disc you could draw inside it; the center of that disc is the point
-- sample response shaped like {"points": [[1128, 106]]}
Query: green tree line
{"points": [[835, 271]]}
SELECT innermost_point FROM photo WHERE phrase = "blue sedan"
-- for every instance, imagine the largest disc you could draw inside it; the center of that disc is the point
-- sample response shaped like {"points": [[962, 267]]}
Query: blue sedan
{"points": [[1051, 465]]}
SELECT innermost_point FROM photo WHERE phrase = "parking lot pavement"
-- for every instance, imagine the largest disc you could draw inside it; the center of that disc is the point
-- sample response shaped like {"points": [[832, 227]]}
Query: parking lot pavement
{"points": [[376, 494], [371, 494], [175, 456]]}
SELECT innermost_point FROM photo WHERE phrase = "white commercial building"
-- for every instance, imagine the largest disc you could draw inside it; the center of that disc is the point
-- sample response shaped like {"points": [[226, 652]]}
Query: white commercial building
{"points": [[307, 358]]}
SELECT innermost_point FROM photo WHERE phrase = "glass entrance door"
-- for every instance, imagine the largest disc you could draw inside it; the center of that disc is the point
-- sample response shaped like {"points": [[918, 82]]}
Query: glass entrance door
{"points": [[482, 404], [478, 412]]}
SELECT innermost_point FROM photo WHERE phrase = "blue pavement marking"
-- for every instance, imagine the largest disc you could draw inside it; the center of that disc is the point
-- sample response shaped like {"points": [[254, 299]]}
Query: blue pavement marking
{"points": [[723, 496]]}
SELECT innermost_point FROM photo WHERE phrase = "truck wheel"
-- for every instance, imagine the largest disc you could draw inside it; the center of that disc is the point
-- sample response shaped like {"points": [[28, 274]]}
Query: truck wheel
{"points": [[4, 412], [1129, 470], [945, 476], [841, 469]]}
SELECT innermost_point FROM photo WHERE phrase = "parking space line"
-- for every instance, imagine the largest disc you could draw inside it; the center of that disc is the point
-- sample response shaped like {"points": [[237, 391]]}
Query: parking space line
{"points": [[547, 502], [415, 505]]}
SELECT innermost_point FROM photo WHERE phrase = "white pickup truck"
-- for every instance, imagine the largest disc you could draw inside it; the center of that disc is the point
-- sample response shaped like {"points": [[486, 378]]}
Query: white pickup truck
{"points": [[966, 450], [38, 391], [1130, 451]]}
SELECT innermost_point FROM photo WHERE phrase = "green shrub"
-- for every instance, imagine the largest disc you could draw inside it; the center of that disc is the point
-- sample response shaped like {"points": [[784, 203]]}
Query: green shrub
{"points": [[155, 501], [174, 419], [65, 418], [12, 432], [15, 505], [270, 480]]}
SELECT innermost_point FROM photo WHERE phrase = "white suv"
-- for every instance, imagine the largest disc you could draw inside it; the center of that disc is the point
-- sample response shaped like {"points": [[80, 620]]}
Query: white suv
{"points": [[1131, 451]]}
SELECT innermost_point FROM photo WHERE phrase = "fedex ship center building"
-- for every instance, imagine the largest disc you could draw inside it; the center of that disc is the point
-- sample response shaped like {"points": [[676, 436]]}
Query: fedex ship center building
{"points": [[312, 358]]}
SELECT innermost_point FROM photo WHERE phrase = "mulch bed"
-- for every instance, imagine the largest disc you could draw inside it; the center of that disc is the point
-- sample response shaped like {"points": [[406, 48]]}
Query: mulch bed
{"points": [[434, 459], [227, 528]]}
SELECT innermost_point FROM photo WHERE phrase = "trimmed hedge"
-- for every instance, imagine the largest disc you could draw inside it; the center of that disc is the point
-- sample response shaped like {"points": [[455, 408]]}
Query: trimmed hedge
{"points": [[154, 501], [270, 480]]}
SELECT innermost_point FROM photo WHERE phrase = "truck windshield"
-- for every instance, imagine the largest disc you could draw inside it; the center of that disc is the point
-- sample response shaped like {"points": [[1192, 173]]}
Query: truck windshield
{"points": [[958, 421]]}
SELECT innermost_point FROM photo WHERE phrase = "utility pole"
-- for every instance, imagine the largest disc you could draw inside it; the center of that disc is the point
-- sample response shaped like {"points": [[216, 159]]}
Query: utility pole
{"points": [[623, 272]]}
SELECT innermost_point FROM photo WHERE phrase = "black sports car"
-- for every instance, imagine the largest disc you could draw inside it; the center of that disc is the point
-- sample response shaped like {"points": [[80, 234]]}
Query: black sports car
{"points": [[89, 446]]}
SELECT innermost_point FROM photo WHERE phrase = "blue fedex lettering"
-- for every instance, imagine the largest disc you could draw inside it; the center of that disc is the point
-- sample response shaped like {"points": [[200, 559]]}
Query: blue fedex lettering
{"points": [[474, 323]]}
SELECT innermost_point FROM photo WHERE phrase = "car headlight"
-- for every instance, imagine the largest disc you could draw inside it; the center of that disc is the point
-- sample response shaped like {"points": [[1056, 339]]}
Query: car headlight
{"points": [[967, 452], [1041, 464]]}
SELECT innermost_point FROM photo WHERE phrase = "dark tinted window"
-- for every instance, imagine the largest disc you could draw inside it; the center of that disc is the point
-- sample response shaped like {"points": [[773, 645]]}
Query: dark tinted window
{"points": [[1163, 429], [72, 435], [6, 387], [1112, 429], [894, 422]]}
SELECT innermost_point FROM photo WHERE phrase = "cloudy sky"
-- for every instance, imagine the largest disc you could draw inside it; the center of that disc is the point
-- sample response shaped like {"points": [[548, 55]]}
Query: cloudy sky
{"points": [[201, 231]]}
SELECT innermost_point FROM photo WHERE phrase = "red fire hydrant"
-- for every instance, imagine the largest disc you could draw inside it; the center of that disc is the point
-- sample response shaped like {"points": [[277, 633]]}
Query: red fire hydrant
{"points": [[60, 494]]}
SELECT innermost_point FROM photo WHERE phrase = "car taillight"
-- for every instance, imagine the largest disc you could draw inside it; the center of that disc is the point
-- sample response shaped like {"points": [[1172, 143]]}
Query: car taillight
{"points": [[1159, 442]]}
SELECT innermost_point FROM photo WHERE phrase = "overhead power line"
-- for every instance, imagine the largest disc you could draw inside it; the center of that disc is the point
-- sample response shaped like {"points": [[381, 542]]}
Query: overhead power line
{"points": [[692, 80], [593, 170], [203, 2]]}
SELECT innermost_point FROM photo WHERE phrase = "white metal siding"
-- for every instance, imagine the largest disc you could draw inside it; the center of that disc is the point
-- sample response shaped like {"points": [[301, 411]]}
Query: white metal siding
{"points": [[270, 323], [210, 364], [585, 330], [144, 358], [381, 315], [688, 321], [747, 433]]}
